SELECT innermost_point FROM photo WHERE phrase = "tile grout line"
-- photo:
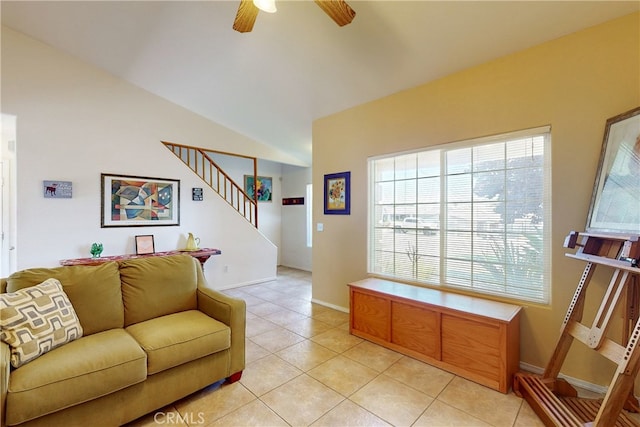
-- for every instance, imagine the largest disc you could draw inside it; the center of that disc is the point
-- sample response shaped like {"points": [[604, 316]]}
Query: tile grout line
{"points": [[342, 352]]}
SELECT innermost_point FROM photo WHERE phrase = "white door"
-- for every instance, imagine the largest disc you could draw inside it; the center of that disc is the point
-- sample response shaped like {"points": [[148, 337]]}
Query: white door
{"points": [[4, 259], [7, 195]]}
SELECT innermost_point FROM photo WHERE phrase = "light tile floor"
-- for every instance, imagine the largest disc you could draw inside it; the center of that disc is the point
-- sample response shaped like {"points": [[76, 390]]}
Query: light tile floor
{"points": [[303, 368]]}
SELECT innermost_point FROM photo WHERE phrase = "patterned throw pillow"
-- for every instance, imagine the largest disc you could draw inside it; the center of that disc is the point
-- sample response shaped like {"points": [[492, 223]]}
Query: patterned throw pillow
{"points": [[36, 320]]}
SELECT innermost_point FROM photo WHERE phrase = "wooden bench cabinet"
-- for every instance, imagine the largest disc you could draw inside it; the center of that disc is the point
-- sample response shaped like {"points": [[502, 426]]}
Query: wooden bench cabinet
{"points": [[475, 338]]}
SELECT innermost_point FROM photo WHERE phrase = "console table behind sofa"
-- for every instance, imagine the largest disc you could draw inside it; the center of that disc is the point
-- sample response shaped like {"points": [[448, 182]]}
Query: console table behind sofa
{"points": [[201, 255]]}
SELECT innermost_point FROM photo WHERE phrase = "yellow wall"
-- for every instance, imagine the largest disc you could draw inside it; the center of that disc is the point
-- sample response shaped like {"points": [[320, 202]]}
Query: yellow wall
{"points": [[573, 84]]}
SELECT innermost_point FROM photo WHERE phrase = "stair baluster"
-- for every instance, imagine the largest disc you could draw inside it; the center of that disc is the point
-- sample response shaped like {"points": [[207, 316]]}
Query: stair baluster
{"points": [[197, 159]]}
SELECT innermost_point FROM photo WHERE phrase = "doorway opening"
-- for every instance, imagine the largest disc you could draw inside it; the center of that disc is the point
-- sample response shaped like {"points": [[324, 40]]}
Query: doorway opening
{"points": [[8, 195]]}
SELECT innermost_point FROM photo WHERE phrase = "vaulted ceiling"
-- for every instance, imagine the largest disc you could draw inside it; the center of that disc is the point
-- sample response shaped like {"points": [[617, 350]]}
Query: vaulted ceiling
{"points": [[296, 65]]}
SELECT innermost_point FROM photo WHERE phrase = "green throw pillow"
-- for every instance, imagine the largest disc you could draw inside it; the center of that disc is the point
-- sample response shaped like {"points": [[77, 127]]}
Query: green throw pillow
{"points": [[37, 319]]}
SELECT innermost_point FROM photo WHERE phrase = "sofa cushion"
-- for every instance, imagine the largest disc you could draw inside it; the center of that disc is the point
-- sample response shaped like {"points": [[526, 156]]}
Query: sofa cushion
{"points": [[80, 371], [179, 338], [94, 292], [36, 320], [156, 286]]}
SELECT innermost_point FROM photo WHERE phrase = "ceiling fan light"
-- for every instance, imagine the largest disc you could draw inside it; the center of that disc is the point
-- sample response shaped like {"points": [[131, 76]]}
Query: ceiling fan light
{"points": [[268, 6]]}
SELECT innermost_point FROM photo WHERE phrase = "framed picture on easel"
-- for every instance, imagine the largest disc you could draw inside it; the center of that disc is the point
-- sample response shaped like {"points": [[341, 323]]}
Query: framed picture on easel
{"points": [[615, 203]]}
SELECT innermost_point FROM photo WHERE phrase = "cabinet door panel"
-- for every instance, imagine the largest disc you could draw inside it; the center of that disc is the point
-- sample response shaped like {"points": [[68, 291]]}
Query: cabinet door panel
{"points": [[473, 346], [416, 329], [370, 315]]}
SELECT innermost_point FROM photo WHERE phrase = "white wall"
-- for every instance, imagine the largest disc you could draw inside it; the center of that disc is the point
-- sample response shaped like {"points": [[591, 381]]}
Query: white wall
{"points": [[294, 251], [75, 122], [269, 219]]}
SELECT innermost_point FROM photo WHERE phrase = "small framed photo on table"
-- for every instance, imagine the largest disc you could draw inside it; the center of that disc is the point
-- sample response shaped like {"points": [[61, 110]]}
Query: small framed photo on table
{"points": [[145, 245]]}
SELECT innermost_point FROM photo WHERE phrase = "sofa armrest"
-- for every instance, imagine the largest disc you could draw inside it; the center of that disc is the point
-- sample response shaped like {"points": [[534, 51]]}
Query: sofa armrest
{"points": [[232, 312], [5, 366]]}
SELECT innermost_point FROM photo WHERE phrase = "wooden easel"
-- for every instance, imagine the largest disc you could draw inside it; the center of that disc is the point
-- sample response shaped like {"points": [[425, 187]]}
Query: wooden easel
{"points": [[552, 398]]}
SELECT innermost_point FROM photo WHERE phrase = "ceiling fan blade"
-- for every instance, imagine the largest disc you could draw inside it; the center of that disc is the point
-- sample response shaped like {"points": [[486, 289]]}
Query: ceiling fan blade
{"points": [[245, 17], [338, 10]]}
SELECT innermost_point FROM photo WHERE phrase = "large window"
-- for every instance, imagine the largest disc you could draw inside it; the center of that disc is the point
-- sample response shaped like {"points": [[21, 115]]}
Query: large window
{"points": [[472, 215]]}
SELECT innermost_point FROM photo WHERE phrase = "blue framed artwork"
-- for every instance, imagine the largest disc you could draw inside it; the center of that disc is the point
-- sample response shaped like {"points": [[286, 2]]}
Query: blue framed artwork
{"points": [[337, 193]]}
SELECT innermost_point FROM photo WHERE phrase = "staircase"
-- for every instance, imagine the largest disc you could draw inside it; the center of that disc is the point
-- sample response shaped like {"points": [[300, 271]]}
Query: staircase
{"points": [[199, 161]]}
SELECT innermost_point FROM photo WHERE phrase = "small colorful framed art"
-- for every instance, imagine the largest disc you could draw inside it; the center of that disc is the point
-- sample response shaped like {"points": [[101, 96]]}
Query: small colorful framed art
{"points": [[263, 185], [337, 193]]}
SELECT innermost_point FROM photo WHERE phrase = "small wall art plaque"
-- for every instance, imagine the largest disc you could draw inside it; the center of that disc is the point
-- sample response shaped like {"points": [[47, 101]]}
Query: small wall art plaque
{"points": [[57, 189], [293, 201]]}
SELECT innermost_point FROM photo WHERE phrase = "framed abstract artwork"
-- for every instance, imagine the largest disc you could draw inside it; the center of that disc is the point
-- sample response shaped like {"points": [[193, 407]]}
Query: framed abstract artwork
{"points": [[615, 202], [263, 185], [130, 201], [337, 193]]}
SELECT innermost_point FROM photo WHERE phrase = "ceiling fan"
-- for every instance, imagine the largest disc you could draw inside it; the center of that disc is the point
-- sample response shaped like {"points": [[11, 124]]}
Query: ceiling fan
{"points": [[338, 10]]}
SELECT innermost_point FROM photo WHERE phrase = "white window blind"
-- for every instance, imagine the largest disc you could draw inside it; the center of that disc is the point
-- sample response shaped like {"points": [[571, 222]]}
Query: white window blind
{"points": [[473, 215]]}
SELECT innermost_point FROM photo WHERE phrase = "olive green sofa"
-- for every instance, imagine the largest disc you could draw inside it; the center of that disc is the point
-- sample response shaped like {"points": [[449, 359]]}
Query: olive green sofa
{"points": [[153, 332]]}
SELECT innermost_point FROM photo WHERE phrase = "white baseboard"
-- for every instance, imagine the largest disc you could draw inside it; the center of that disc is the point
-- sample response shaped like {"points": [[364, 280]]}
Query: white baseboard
{"points": [[251, 282], [573, 381], [326, 304], [295, 267]]}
